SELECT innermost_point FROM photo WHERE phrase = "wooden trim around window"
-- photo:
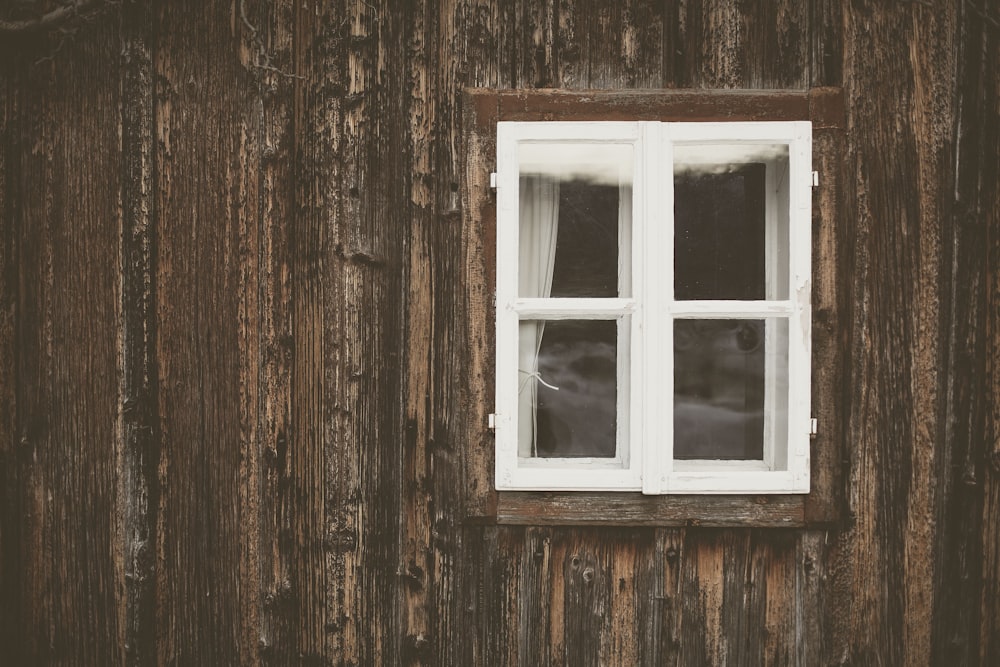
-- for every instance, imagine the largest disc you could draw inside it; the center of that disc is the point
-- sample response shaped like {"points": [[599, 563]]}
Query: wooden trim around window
{"points": [[824, 504]]}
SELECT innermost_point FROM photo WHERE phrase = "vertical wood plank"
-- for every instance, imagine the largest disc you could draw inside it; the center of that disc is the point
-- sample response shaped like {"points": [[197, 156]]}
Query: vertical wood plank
{"points": [[373, 245], [831, 305], [498, 583], [61, 565], [728, 44], [206, 205], [738, 597], [826, 22], [536, 27], [573, 48], [450, 187], [138, 442], [280, 609], [811, 587], [664, 641], [479, 277], [315, 466], [418, 560], [632, 561], [933, 55], [776, 44], [987, 199], [971, 567], [629, 39], [13, 478], [535, 601], [701, 582], [899, 185], [586, 602], [711, 43], [773, 579]]}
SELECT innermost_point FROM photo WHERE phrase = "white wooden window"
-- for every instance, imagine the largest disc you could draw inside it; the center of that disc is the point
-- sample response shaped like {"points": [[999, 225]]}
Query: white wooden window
{"points": [[653, 306]]}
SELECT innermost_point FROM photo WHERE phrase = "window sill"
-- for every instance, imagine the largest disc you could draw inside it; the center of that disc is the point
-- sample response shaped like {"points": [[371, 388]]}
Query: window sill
{"points": [[635, 509]]}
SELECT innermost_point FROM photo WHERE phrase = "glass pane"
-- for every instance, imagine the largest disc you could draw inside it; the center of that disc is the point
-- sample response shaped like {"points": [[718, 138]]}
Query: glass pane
{"points": [[730, 222], [568, 394], [587, 244], [575, 219], [730, 387]]}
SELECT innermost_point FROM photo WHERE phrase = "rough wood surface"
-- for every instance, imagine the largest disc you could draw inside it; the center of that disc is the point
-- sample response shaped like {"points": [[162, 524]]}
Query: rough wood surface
{"points": [[633, 509], [246, 342], [205, 214], [63, 552]]}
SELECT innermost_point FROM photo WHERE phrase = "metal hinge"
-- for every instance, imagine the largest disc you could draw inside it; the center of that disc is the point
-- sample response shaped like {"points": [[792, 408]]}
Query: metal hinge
{"points": [[813, 426], [493, 180], [815, 178], [492, 422]]}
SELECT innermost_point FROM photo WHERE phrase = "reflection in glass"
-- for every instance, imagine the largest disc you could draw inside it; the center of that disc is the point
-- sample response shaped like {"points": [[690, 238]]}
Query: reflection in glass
{"points": [[568, 397], [586, 263], [719, 234], [729, 241], [728, 380], [575, 219]]}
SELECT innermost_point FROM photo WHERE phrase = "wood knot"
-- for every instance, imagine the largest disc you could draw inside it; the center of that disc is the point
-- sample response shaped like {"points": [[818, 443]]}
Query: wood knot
{"points": [[414, 576], [417, 647], [588, 575]]}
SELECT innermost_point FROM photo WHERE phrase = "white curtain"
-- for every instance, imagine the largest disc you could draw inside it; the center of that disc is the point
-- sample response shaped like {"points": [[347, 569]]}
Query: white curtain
{"points": [[539, 226]]}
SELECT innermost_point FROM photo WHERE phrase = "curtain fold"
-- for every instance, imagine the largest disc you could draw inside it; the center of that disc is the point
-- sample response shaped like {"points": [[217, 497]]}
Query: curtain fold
{"points": [[538, 230]]}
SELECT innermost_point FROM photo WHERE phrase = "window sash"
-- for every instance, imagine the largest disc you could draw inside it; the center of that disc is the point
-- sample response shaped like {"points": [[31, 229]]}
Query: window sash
{"points": [[644, 453]]}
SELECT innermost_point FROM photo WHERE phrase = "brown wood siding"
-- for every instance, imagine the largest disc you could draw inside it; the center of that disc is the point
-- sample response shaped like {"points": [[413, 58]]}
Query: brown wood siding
{"points": [[246, 343]]}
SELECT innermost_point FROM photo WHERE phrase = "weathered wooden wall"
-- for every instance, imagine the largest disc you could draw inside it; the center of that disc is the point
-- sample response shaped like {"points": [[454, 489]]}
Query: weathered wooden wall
{"points": [[244, 342]]}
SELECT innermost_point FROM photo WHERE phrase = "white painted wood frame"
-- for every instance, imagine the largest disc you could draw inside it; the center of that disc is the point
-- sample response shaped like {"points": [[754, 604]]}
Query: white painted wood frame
{"points": [[644, 451]]}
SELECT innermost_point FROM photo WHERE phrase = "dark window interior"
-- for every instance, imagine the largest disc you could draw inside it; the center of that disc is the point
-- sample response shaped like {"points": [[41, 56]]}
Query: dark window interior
{"points": [[580, 358], [719, 233], [719, 389], [586, 263]]}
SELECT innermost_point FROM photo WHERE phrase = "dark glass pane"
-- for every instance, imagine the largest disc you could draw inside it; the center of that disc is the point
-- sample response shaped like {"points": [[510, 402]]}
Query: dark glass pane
{"points": [[719, 389], [719, 232], [586, 263], [580, 418], [569, 219]]}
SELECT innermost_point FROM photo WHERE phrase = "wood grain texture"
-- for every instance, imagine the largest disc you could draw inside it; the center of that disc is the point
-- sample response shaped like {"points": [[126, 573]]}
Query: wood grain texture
{"points": [[138, 441], [63, 561], [246, 340], [970, 566], [14, 480], [610, 509], [206, 164], [571, 596]]}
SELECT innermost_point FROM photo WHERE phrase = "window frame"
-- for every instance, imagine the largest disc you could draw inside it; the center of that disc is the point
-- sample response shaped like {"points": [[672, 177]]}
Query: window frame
{"points": [[825, 504], [644, 453]]}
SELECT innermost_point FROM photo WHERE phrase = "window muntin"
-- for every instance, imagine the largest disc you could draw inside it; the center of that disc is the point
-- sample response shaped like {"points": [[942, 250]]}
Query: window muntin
{"points": [[726, 275]]}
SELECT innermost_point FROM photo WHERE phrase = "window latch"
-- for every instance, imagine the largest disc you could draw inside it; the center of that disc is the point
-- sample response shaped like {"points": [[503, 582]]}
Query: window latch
{"points": [[815, 179], [492, 422], [813, 426], [493, 180]]}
